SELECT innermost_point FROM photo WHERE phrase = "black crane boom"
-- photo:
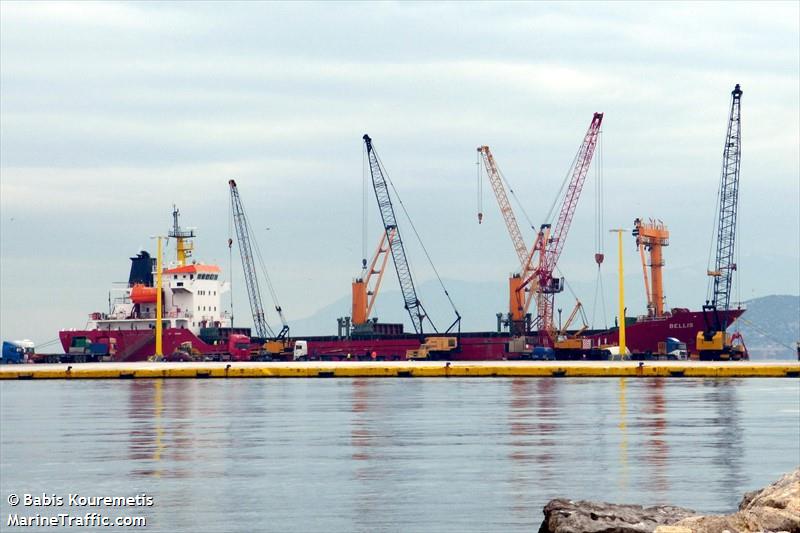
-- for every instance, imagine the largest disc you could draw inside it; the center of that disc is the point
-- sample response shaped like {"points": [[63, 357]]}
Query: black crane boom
{"points": [[260, 325], [412, 303], [728, 202]]}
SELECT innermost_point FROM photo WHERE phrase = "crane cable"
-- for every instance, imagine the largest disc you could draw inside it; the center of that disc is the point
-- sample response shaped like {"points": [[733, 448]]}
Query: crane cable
{"points": [[411, 271], [598, 191], [738, 277], [265, 272], [230, 251], [573, 293], [480, 186], [599, 289], [508, 187], [254, 244], [567, 178], [714, 230], [599, 236], [419, 239], [516, 199], [764, 333], [364, 218]]}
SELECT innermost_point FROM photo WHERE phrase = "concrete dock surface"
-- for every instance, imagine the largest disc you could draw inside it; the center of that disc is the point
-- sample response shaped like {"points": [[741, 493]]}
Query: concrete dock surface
{"points": [[351, 369]]}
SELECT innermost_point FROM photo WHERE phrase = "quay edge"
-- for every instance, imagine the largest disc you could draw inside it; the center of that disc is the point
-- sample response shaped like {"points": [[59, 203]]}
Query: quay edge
{"points": [[454, 369]]}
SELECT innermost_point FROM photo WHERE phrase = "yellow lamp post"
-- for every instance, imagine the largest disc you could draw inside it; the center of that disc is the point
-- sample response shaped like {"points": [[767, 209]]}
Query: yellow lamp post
{"points": [[622, 348], [159, 351]]}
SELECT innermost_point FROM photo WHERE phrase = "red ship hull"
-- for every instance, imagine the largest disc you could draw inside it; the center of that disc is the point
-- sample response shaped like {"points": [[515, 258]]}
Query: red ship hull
{"points": [[136, 345], [641, 337]]}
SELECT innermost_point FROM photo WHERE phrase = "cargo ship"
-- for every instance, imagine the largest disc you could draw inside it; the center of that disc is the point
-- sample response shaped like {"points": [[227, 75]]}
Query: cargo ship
{"points": [[193, 317], [196, 326]]}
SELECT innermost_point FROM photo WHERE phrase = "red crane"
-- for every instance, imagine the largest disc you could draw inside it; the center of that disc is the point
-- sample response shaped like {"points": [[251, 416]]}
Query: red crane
{"points": [[550, 242]]}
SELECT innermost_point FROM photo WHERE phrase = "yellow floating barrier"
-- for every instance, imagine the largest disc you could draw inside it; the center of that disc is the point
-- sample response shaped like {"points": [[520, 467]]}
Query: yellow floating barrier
{"points": [[408, 369]]}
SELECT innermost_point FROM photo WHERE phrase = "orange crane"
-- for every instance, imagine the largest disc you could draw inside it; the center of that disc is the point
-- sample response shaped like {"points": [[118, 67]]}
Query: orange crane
{"points": [[366, 286], [493, 173], [518, 301], [651, 237]]}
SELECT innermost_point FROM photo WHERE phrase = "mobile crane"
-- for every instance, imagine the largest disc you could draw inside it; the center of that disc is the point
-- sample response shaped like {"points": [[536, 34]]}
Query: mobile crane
{"points": [[273, 344], [713, 342], [429, 346]]}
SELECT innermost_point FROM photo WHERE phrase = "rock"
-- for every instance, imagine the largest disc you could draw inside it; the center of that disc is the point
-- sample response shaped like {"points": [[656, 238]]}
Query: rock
{"points": [[772, 509], [567, 516]]}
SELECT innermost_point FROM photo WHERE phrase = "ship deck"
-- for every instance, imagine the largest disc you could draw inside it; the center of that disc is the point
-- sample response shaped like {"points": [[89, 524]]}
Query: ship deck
{"points": [[407, 369]]}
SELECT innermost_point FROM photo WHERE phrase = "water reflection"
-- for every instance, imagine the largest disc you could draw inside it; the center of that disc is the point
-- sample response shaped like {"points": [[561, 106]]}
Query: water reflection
{"points": [[158, 433], [533, 438], [623, 441], [369, 472], [725, 426], [654, 425], [396, 455], [360, 435]]}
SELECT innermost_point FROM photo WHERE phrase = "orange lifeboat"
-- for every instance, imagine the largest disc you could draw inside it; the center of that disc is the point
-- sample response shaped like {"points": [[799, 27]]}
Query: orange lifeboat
{"points": [[141, 294]]}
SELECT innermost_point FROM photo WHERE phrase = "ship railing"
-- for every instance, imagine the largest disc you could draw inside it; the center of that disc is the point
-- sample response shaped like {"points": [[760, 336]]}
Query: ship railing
{"points": [[167, 314], [648, 318]]}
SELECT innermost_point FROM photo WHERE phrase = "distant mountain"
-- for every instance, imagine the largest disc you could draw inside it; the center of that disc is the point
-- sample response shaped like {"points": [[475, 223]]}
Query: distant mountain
{"points": [[771, 326]]}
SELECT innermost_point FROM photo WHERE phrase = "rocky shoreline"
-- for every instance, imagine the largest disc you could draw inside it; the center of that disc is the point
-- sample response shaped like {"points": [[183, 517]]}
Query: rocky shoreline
{"points": [[771, 509]]}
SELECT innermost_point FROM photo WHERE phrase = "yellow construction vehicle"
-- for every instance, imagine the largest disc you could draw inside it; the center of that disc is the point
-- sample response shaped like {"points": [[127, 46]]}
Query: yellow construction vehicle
{"points": [[433, 347]]}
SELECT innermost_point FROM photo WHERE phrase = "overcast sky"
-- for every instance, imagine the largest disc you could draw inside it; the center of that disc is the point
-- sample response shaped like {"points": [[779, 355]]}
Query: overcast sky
{"points": [[110, 112]]}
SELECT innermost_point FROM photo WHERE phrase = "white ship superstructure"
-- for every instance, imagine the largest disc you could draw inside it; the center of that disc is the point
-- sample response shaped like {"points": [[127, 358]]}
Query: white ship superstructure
{"points": [[191, 293]]}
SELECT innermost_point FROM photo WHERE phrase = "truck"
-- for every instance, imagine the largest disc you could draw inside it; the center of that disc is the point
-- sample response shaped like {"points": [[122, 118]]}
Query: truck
{"points": [[238, 347], [16, 352]]}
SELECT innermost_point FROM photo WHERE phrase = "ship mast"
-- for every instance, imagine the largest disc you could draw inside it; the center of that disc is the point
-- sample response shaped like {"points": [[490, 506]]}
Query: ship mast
{"points": [[184, 246]]}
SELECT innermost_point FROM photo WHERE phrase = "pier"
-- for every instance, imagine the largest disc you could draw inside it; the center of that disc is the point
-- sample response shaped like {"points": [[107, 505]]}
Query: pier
{"points": [[404, 369]]}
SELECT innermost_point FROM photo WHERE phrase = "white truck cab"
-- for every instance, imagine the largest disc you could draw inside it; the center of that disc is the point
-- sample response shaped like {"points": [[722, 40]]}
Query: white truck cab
{"points": [[300, 350]]}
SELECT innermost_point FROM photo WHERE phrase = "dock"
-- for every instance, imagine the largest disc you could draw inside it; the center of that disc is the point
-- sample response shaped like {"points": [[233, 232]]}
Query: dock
{"points": [[404, 369]]}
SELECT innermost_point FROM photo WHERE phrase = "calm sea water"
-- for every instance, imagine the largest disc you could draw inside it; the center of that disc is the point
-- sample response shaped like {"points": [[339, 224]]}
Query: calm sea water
{"points": [[391, 454]]}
